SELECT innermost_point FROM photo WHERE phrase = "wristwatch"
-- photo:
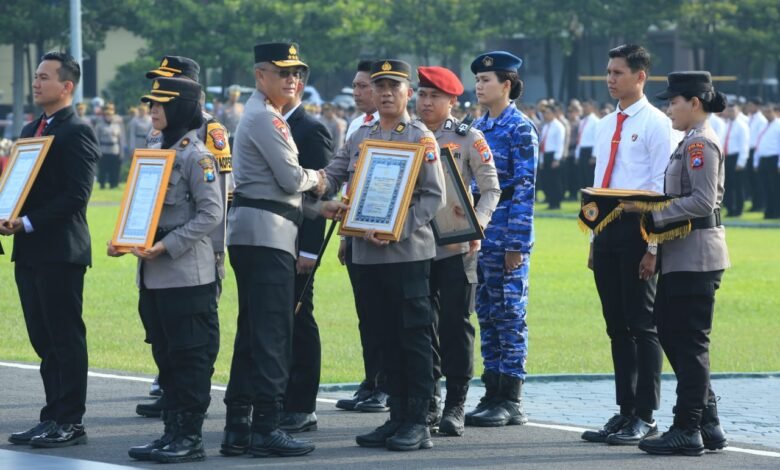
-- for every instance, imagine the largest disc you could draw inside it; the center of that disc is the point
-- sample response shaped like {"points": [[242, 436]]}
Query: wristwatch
{"points": [[652, 248]]}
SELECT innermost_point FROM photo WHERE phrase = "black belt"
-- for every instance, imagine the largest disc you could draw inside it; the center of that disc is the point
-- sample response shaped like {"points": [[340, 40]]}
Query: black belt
{"points": [[712, 220], [506, 195], [291, 213]]}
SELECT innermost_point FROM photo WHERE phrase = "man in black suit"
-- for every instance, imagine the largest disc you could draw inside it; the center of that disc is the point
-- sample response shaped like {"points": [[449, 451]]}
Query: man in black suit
{"points": [[52, 250], [315, 149]]}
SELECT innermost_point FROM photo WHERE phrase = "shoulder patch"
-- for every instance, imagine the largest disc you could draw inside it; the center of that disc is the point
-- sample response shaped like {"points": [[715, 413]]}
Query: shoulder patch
{"points": [[184, 142], [217, 144], [207, 165], [483, 149], [281, 128], [217, 134], [430, 149], [697, 159], [696, 145]]}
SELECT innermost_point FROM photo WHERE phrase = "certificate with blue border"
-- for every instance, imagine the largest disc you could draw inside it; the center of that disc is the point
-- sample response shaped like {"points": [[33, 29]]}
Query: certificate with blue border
{"points": [[26, 158], [143, 199], [382, 187]]}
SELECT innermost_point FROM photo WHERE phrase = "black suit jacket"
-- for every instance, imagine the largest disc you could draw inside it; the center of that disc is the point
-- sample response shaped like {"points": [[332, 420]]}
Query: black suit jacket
{"points": [[315, 149], [57, 203]]}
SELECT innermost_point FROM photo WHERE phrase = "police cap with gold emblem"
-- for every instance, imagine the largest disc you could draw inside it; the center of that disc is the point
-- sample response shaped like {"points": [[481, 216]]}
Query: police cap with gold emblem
{"points": [[441, 79], [397, 70], [281, 54], [174, 66], [165, 90], [496, 61]]}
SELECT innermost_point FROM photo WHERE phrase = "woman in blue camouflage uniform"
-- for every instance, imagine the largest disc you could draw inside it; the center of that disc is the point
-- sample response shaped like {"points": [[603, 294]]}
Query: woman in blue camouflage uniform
{"points": [[504, 261]]}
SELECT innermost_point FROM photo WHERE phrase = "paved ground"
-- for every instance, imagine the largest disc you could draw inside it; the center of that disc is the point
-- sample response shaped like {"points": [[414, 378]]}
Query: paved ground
{"points": [[113, 427]]}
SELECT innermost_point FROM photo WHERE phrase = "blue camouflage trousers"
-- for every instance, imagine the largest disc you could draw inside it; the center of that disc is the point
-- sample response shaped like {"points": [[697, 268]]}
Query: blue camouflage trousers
{"points": [[501, 308]]}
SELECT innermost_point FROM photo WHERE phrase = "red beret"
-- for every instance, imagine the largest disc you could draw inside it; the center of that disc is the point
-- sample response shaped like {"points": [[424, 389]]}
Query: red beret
{"points": [[440, 78]]}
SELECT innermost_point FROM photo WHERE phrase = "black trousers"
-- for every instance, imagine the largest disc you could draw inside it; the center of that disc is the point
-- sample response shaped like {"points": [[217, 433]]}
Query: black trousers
{"points": [[108, 170], [755, 184], [571, 177], [304, 383], [52, 299], [453, 338], [397, 298], [370, 338], [182, 326], [585, 168], [684, 307], [770, 181], [734, 195], [552, 181], [262, 352], [627, 304]]}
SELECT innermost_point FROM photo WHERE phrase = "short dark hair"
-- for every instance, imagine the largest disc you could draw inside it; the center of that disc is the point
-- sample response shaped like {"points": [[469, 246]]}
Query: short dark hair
{"points": [[69, 71], [756, 100], [364, 65], [636, 56]]}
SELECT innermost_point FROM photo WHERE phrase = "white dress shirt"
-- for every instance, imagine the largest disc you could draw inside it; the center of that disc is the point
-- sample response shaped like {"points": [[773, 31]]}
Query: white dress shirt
{"points": [[737, 140], [756, 122], [719, 126], [357, 122], [647, 141], [553, 138], [768, 141], [586, 136]]}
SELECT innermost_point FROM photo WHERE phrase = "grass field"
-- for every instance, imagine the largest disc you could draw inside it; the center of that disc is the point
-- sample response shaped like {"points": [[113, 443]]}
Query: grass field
{"points": [[566, 328]]}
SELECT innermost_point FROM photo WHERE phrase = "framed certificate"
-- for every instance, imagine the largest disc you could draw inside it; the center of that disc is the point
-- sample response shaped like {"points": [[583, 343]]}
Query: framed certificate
{"points": [[382, 188], [23, 165], [456, 222], [142, 202]]}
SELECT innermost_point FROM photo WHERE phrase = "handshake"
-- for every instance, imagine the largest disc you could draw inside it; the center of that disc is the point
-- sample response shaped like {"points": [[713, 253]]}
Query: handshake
{"points": [[322, 184]]}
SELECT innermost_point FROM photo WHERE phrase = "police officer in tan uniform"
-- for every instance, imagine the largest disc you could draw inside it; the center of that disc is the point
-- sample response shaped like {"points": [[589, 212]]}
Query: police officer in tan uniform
{"points": [[392, 279], [214, 136], [111, 135], [454, 270], [693, 256], [176, 277]]}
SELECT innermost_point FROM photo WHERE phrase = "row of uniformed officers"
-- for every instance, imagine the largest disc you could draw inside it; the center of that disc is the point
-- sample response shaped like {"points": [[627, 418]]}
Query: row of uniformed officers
{"points": [[395, 282]]}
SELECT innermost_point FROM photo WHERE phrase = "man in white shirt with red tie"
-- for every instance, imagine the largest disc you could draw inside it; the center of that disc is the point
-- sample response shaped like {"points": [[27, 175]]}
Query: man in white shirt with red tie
{"points": [[632, 148], [551, 148], [586, 138], [736, 148], [361, 92], [766, 160]]}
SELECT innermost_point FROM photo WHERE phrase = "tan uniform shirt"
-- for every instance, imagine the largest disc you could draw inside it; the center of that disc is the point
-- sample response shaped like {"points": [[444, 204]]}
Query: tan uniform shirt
{"points": [[192, 209], [265, 166], [469, 153], [416, 242], [695, 176], [110, 135]]}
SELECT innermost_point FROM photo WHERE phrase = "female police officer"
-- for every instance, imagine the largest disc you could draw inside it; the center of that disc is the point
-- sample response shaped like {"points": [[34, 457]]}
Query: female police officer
{"points": [[176, 278], [693, 257], [502, 292]]}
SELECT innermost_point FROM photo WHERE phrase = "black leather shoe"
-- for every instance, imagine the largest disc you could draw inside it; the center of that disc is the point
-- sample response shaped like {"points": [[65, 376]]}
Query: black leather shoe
{"points": [[62, 435], [379, 436], [452, 421], [410, 436], [508, 411], [633, 432], [613, 425], [25, 436], [152, 409], [711, 432], [675, 441], [376, 403], [298, 422], [237, 435], [278, 442], [362, 393], [145, 452], [187, 442], [491, 380]]}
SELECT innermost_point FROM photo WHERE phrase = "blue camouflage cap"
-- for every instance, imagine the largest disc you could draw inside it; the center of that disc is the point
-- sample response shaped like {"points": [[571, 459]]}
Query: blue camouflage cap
{"points": [[496, 61]]}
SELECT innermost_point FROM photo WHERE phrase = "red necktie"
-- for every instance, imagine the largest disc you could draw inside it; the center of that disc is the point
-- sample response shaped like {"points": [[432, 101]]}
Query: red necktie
{"points": [[368, 118], [613, 151], [726, 140], [41, 126]]}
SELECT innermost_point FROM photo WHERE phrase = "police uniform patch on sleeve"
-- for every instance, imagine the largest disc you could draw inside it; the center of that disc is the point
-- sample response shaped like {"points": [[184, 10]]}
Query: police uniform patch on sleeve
{"points": [[430, 149], [217, 144], [697, 160], [281, 127], [207, 165], [696, 146], [484, 150]]}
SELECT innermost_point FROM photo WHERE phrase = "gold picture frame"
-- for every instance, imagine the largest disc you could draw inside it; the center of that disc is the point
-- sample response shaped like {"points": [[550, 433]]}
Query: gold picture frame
{"points": [[142, 202], [25, 162], [382, 188]]}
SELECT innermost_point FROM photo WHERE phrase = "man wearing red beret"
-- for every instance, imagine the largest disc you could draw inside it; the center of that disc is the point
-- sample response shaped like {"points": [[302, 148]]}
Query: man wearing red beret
{"points": [[454, 271]]}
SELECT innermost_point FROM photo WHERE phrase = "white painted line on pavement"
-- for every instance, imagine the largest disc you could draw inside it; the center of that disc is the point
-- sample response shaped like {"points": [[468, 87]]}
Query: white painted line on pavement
{"points": [[559, 427]]}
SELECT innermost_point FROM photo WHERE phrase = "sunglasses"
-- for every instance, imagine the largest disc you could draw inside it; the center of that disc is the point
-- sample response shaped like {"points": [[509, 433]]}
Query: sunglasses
{"points": [[284, 73]]}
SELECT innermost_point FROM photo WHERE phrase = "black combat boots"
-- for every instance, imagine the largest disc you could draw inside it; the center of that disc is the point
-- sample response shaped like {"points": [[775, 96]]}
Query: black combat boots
{"points": [[684, 437], [711, 432], [187, 443], [452, 420], [491, 380], [414, 434], [235, 439], [378, 437], [507, 408], [269, 440], [170, 419]]}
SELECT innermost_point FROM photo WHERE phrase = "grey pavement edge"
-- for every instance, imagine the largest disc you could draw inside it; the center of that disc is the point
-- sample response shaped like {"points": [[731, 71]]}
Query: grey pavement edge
{"points": [[113, 428]]}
